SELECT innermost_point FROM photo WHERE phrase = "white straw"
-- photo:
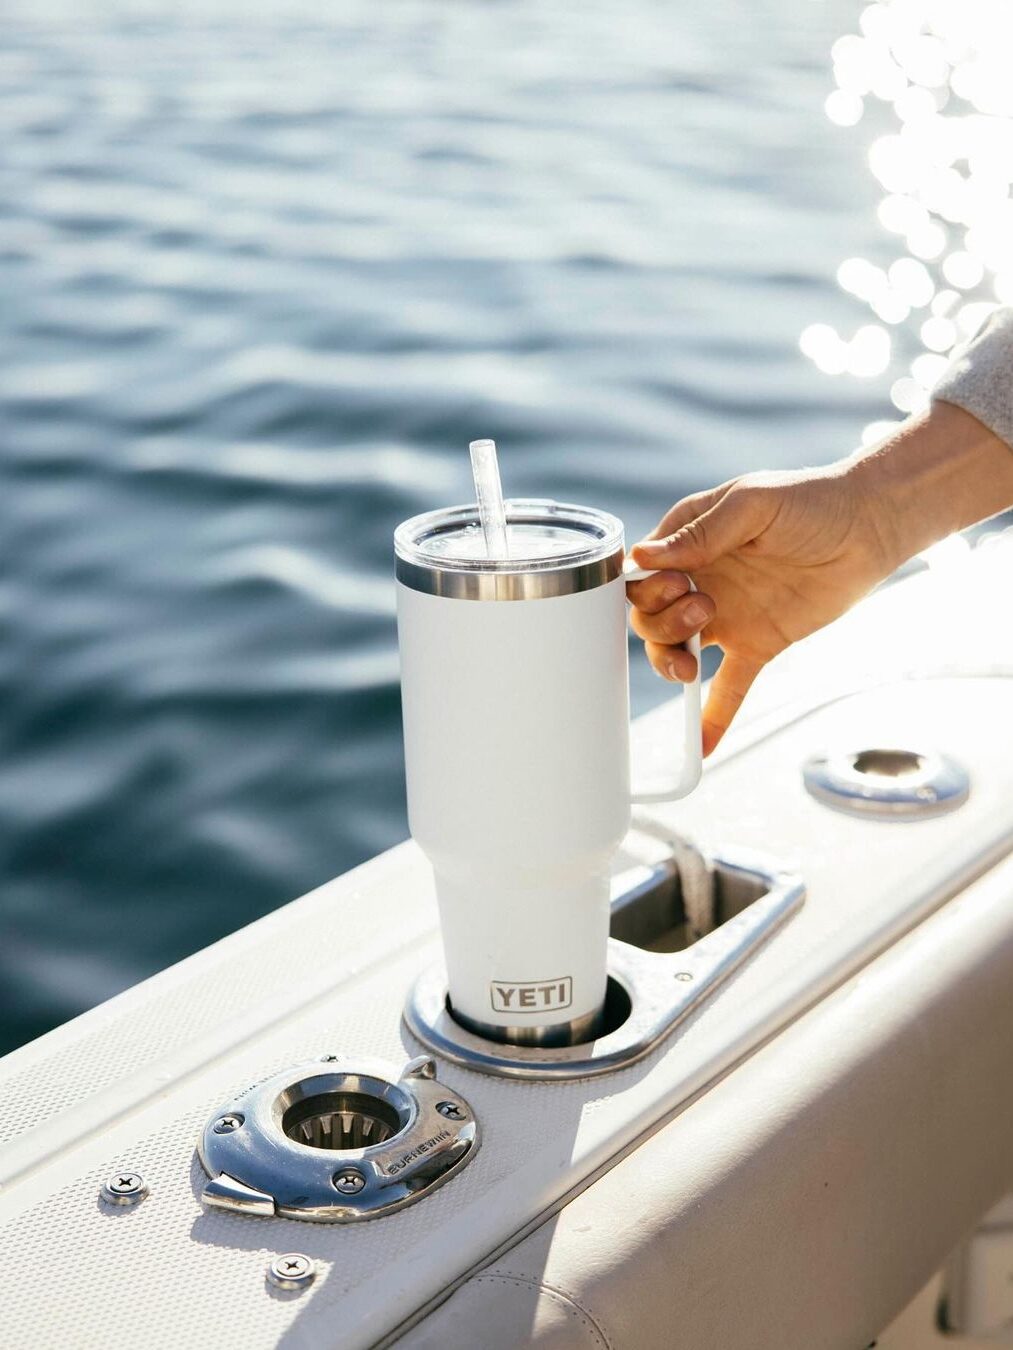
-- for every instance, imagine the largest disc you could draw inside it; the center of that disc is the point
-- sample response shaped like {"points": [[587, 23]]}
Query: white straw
{"points": [[485, 468]]}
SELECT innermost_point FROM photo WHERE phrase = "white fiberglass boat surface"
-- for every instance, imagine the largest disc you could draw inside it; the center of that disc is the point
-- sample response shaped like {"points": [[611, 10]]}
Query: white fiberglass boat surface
{"points": [[785, 1166]]}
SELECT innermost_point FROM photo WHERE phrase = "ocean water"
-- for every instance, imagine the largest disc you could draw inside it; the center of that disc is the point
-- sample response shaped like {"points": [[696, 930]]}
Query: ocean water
{"points": [[264, 272]]}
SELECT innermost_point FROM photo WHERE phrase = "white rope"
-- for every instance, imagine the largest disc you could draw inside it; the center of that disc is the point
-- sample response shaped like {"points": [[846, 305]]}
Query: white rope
{"points": [[696, 875]]}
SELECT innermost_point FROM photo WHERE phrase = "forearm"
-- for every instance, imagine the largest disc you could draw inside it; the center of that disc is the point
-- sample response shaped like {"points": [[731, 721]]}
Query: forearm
{"points": [[942, 471], [953, 465]]}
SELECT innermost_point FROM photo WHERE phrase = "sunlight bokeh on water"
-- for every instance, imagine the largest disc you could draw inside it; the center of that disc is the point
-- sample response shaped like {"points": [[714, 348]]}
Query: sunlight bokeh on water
{"points": [[933, 78]]}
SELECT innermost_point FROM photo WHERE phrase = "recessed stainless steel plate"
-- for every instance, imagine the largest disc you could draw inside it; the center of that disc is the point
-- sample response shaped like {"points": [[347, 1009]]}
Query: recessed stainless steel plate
{"points": [[655, 991]]}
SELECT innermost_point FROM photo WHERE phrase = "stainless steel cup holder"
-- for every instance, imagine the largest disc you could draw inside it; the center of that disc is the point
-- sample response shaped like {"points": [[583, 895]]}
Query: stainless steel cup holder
{"points": [[655, 989], [333, 1142]]}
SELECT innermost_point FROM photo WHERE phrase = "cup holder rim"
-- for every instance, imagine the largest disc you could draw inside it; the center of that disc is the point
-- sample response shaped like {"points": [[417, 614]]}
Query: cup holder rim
{"points": [[663, 990]]}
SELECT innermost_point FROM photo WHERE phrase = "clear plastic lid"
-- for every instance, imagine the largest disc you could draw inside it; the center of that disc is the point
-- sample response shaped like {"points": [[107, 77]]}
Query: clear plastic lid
{"points": [[542, 536]]}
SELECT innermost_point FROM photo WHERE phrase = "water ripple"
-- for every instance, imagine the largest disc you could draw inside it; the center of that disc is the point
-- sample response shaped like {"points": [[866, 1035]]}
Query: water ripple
{"points": [[265, 272]]}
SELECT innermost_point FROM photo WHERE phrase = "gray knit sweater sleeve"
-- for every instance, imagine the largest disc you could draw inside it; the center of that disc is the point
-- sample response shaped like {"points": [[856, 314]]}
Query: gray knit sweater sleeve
{"points": [[980, 379]]}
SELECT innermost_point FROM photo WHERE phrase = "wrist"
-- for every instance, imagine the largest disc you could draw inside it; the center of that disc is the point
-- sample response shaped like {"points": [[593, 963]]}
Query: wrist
{"points": [[940, 472]]}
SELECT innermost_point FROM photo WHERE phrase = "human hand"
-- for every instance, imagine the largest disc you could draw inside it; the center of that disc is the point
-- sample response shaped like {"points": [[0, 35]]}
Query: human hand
{"points": [[777, 555], [774, 557]]}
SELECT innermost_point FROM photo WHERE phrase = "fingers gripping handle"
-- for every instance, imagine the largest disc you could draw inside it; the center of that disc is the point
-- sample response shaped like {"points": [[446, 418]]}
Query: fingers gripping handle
{"points": [[692, 716]]}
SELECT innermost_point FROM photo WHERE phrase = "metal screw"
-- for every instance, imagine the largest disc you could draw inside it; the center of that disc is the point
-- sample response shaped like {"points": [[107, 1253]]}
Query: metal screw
{"points": [[348, 1181], [450, 1109], [328, 1059], [683, 975], [291, 1271], [124, 1188], [228, 1123]]}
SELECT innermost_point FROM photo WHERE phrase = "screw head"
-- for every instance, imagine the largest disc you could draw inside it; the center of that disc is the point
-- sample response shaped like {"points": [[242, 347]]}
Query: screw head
{"points": [[683, 975], [226, 1124], [291, 1271], [124, 1188], [451, 1110], [349, 1181]]}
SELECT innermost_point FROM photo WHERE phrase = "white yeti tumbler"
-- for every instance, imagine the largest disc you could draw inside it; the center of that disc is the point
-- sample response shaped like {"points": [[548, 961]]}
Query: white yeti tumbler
{"points": [[516, 722]]}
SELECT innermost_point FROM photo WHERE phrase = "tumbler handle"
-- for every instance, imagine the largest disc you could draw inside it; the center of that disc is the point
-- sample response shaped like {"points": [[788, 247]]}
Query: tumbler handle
{"points": [[692, 755]]}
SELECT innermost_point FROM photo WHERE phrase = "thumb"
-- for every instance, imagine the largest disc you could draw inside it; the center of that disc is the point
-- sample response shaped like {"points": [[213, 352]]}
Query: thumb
{"points": [[728, 688], [732, 521]]}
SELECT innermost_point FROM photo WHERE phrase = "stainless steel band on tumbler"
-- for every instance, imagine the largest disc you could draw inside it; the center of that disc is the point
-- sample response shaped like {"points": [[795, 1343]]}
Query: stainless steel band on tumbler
{"points": [[578, 1031], [509, 585]]}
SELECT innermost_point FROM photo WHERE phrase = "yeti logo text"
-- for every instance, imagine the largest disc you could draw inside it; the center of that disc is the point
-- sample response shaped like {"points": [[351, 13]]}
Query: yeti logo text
{"points": [[544, 996]]}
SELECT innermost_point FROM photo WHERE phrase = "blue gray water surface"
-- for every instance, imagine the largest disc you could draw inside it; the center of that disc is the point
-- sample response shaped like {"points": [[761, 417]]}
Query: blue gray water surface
{"points": [[264, 271]]}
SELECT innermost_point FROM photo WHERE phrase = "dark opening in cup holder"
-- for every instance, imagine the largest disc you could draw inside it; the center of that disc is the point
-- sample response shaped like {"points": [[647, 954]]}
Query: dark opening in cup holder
{"points": [[617, 1009], [649, 912]]}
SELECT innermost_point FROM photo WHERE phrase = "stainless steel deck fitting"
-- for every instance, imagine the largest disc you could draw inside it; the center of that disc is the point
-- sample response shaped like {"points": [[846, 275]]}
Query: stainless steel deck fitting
{"points": [[649, 992], [887, 783], [336, 1142]]}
